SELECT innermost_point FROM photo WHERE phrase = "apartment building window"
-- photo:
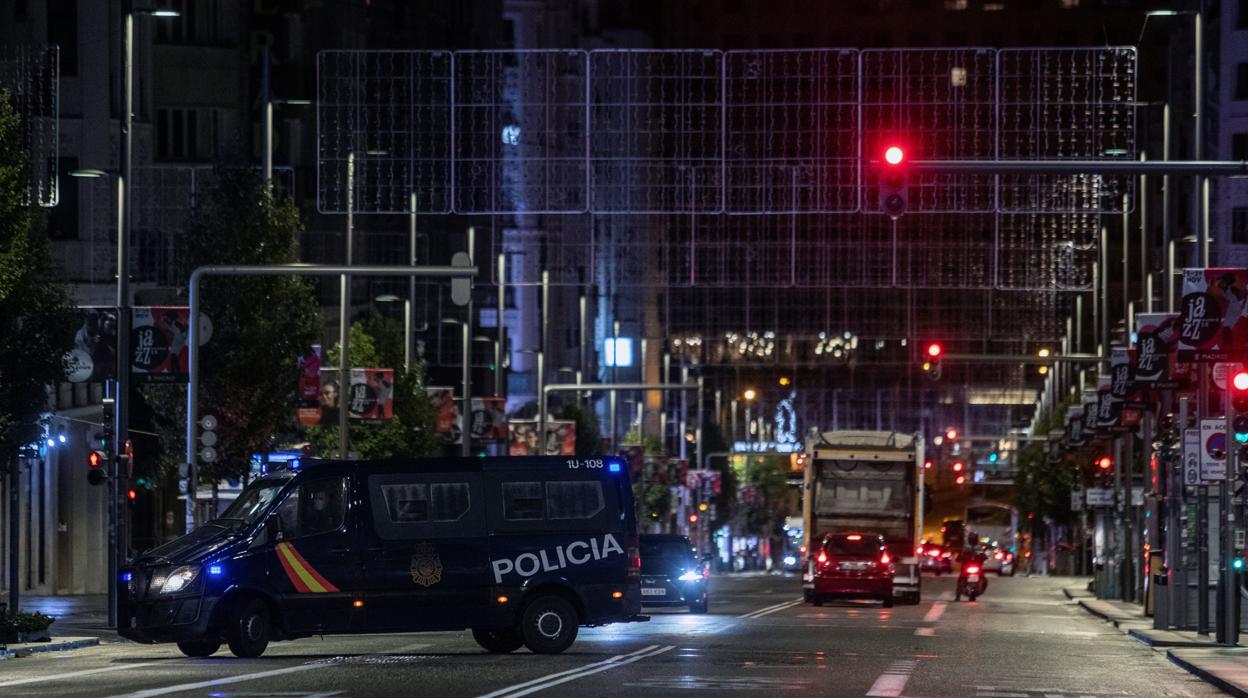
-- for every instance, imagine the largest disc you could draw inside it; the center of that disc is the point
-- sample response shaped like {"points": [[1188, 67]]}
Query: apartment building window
{"points": [[187, 134], [1241, 15], [1239, 225], [63, 31], [1241, 81], [1239, 146], [199, 21]]}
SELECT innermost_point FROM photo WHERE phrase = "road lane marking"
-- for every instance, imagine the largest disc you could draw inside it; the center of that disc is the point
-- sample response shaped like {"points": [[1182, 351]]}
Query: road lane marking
{"points": [[524, 684], [165, 690], [588, 672], [771, 609], [74, 674], [892, 682], [925, 632], [935, 612]]}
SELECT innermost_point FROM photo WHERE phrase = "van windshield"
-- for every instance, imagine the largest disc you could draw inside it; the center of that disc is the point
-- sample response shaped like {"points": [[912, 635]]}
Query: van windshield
{"points": [[254, 501]]}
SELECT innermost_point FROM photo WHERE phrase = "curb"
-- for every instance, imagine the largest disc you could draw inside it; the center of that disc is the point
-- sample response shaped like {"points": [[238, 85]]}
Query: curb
{"points": [[1143, 638], [1207, 676], [7, 653]]}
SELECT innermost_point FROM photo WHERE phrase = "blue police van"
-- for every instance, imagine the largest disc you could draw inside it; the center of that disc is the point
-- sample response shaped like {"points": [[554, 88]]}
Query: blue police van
{"points": [[521, 551]]}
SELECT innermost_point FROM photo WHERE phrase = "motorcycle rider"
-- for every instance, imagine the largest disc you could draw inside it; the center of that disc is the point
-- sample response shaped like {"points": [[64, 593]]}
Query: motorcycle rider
{"points": [[974, 557]]}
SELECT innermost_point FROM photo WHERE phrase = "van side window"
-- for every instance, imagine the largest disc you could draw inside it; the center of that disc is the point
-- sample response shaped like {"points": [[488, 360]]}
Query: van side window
{"points": [[314, 507], [450, 500], [574, 499], [406, 503], [523, 501]]}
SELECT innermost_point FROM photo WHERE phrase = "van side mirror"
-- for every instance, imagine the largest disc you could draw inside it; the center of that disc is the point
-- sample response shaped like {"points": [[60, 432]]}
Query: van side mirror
{"points": [[273, 528]]}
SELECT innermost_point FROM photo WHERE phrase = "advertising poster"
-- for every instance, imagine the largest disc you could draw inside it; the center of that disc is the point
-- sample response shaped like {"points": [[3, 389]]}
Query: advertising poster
{"points": [[309, 393], [158, 343], [560, 437], [1156, 351], [1212, 323], [94, 356]]}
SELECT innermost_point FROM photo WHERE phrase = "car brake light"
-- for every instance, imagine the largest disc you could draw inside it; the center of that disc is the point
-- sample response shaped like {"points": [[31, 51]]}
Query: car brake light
{"points": [[998, 556], [853, 536], [972, 570], [885, 559], [634, 559], [823, 558], [933, 553], [947, 555]]}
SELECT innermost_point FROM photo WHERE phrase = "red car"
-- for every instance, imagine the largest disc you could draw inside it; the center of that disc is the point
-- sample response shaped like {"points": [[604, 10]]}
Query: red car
{"points": [[851, 565]]}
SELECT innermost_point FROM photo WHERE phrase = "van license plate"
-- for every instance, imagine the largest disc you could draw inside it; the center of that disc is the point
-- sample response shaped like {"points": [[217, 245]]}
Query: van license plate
{"points": [[654, 591]]}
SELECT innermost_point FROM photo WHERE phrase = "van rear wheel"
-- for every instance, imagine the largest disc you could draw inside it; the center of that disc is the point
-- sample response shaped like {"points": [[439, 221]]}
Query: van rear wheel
{"points": [[548, 625], [500, 641], [199, 648], [248, 629]]}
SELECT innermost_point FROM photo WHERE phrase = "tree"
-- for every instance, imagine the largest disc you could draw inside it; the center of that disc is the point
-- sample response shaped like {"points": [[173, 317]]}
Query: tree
{"points": [[410, 432], [588, 436], [36, 313], [261, 325]]}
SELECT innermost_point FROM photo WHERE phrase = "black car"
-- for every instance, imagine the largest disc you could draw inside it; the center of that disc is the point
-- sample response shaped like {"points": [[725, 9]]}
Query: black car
{"points": [[672, 575]]}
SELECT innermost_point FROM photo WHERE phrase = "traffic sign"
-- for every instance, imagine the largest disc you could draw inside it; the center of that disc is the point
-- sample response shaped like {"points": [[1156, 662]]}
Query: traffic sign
{"points": [[1213, 449], [1191, 457]]}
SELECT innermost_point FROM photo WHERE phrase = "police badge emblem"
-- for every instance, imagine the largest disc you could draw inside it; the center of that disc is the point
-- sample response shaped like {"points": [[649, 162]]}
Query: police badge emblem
{"points": [[426, 566]]}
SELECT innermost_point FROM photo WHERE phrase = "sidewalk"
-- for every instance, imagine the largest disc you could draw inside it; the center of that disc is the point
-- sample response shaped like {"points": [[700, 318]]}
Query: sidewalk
{"points": [[81, 621], [1222, 666]]}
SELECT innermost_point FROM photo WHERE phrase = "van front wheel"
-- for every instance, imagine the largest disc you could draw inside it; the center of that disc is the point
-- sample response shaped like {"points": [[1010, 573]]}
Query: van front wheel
{"points": [[548, 625], [498, 641], [248, 631]]}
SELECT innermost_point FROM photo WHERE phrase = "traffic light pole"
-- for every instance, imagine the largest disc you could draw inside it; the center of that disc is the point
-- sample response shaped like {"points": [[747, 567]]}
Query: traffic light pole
{"points": [[1202, 521]]}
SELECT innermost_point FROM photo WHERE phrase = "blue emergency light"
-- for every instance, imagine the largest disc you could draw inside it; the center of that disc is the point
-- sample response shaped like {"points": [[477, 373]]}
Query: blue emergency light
{"points": [[214, 570], [614, 467]]}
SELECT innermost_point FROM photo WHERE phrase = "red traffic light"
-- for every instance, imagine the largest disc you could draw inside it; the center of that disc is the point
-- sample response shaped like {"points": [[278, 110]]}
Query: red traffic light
{"points": [[1240, 380], [961, 480], [132, 495], [893, 155], [934, 350], [958, 466], [95, 459], [1104, 462], [927, 465], [693, 518], [951, 434]]}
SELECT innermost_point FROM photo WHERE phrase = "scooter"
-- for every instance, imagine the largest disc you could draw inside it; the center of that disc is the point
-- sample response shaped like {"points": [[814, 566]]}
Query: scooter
{"points": [[971, 583]]}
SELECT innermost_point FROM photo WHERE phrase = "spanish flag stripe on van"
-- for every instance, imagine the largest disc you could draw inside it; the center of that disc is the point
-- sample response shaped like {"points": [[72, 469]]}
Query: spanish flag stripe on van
{"points": [[305, 578]]}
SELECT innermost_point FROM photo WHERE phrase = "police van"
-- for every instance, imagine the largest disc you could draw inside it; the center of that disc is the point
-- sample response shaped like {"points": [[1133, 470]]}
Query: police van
{"points": [[521, 551]]}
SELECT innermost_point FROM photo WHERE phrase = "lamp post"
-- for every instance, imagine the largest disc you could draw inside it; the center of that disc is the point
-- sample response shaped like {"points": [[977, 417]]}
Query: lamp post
{"points": [[748, 396], [269, 104]]}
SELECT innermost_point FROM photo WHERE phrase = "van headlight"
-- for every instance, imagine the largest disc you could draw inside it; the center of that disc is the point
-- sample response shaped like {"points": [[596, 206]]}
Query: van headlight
{"points": [[179, 579]]}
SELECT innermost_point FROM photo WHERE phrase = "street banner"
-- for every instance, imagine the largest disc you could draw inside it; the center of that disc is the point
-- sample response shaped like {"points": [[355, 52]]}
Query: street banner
{"points": [[309, 395], [560, 437], [94, 356], [1075, 435], [446, 421], [1108, 409], [1090, 405], [1213, 449], [158, 343], [1156, 351], [1122, 381], [1191, 457], [371, 398], [489, 418], [1212, 322]]}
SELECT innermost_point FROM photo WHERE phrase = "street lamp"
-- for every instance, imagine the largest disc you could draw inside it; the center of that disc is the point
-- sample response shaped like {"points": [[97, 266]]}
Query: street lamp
{"points": [[749, 396]]}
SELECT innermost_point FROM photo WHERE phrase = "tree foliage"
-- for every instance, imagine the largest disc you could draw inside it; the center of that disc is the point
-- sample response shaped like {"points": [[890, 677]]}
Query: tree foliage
{"points": [[36, 314], [1042, 487], [588, 435], [260, 325], [410, 432]]}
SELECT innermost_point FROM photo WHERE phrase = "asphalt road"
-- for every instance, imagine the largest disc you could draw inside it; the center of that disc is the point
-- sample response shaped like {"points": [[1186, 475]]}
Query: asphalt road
{"points": [[1022, 639]]}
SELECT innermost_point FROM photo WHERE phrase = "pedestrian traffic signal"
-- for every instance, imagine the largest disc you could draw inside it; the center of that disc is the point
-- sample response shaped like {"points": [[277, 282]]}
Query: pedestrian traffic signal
{"points": [[894, 189], [1237, 564], [96, 460]]}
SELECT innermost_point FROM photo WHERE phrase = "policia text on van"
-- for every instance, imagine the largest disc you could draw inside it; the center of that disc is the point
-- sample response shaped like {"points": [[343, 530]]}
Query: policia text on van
{"points": [[521, 551]]}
